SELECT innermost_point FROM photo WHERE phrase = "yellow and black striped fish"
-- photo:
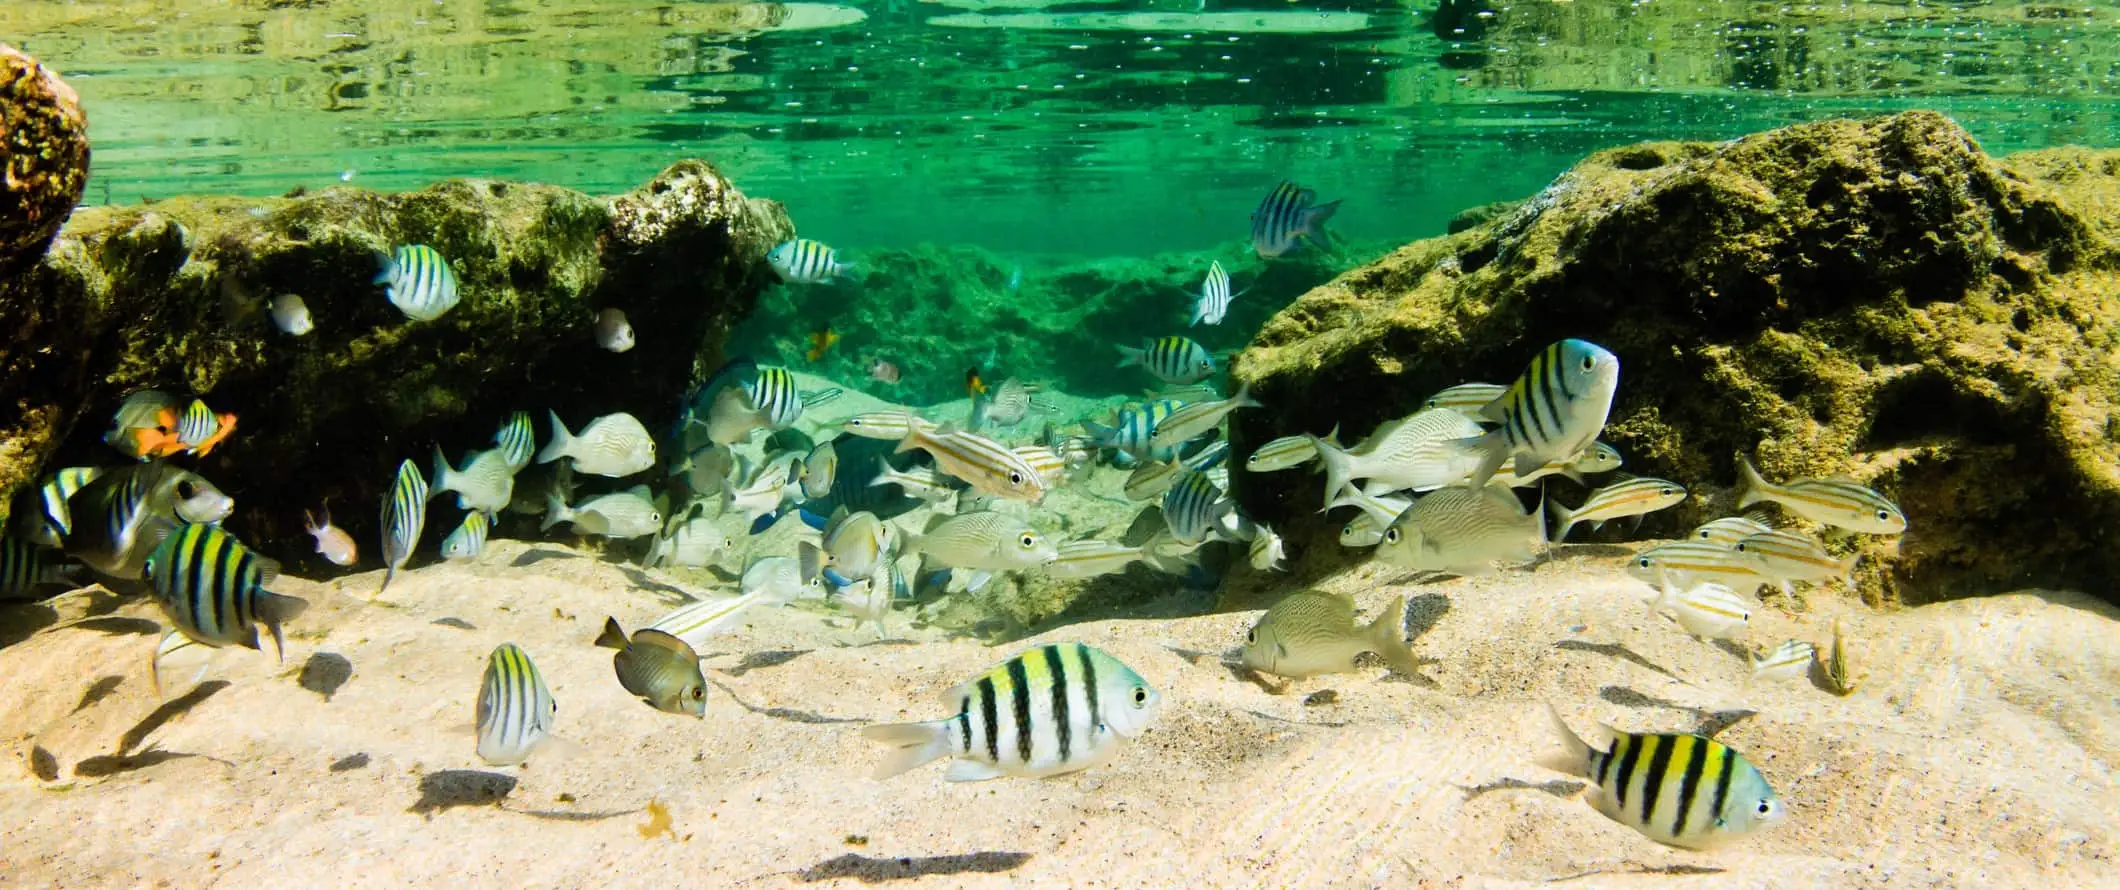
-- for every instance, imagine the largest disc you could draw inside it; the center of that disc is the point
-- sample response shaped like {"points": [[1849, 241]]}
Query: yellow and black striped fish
{"points": [[1682, 790], [418, 280], [24, 567], [49, 525], [807, 262], [1055, 709], [515, 710], [1289, 217], [517, 440], [1553, 411], [404, 514], [1176, 360], [213, 588]]}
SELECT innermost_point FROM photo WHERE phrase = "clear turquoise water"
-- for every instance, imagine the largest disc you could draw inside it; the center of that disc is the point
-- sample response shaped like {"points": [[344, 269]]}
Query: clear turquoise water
{"points": [[1092, 128]]}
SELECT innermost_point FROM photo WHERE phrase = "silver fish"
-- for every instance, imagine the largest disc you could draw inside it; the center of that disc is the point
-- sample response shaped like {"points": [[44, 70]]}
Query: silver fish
{"points": [[1195, 508], [1176, 360], [1287, 452], [1090, 558], [291, 315], [1631, 497], [1267, 553], [1789, 661], [981, 543], [1463, 531], [920, 482], [1312, 632], [469, 539], [613, 332], [1683, 790], [1554, 411], [114, 514], [1839, 502], [1706, 610], [516, 712], [1198, 419], [987, 465], [333, 543], [516, 440], [1052, 710], [418, 281], [486, 482], [621, 514], [805, 261], [1212, 305], [611, 445], [818, 470], [1729, 530], [1468, 399], [1416, 452], [404, 515]]}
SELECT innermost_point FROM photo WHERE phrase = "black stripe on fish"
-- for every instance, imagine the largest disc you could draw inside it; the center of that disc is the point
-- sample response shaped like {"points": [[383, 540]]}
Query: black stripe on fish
{"points": [[1723, 777], [1089, 686], [1020, 699], [1062, 729], [1627, 761], [964, 725], [989, 719], [1689, 784], [1659, 766]]}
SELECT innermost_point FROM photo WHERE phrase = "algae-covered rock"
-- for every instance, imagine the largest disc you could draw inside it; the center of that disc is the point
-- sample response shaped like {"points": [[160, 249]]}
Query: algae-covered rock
{"points": [[43, 159], [1874, 298], [173, 296]]}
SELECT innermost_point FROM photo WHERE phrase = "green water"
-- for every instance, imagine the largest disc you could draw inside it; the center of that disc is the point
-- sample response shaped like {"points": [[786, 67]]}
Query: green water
{"points": [[1091, 128]]}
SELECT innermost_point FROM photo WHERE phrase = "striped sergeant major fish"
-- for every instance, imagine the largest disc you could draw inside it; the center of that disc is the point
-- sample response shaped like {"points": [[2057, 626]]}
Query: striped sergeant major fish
{"points": [[418, 281], [1682, 790], [515, 710], [1212, 304], [517, 440], [1193, 507], [744, 396], [805, 261], [1134, 427], [404, 514], [1836, 501], [1052, 710], [213, 588], [1177, 360], [1289, 217], [52, 520], [24, 567], [1553, 411], [469, 539], [199, 429]]}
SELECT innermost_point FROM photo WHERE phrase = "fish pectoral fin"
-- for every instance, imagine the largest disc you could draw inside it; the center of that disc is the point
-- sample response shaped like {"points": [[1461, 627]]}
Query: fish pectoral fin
{"points": [[971, 771]]}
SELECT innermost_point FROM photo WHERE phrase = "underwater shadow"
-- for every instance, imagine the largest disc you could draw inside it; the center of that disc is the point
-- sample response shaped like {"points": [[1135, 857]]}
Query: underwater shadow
{"points": [[98, 691], [1708, 722], [1138, 594], [767, 659], [169, 710], [789, 714], [1293, 722], [1560, 552], [871, 870], [1561, 788], [20, 621], [43, 764], [443, 789], [642, 582], [455, 622], [324, 673], [349, 762], [1423, 613], [112, 764], [115, 625], [1676, 869], [1734, 648], [536, 555], [1615, 650], [572, 815]]}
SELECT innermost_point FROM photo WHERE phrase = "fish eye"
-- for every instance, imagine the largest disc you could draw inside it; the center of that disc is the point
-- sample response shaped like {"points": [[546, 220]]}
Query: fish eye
{"points": [[1391, 536], [1207, 363], [1589, 362], [1884, 515], [1765, 807], [1028, 540], [1251, 636], [696, 693], [1644, 562], [1140, 696], [187, 489], [654, 517], [1665, 491], [1015, 478]]}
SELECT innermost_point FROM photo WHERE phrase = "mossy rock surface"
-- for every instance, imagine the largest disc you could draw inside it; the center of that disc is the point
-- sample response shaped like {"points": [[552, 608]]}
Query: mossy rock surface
{"points": [[1877, 299], [43, 158], [173, 296]]}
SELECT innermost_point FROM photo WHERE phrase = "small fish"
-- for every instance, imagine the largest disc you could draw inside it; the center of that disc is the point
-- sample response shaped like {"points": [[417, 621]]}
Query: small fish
{"points": [[24, 567], [821, 341], [1553, 411], [1689, 562], [770, 581], [1287, 452], [869, 601], [291, 315], [201, 430], [469, 539], [695, 542], [1788, 661], [1288, 218], [1212, 304], [1165, 553], [404, 515], [1198, 419], [487, 481], [1839, 502], [743, 397], [613, 331], [516, 440], [1176, 360], [145, 425], [855, 544], [1362, 531], [891, 425], [115, 512], [1312, 632], [1194, 508], [1381, 509], [1208, 458], [883, 372], [1052, 469], [1707, 610], [1052, 710], [333, 543], [213, 588], [775, 579], [1006, 405], [1600, 458], [804, 261], [1834, 661], [418, 280], [49, 525], [974, 385], [620, 514], [1469, 399], [768, 491], [1785, 556], [920, 482], [516, 712], [1729, 530], [1134, 425], [987, 465], [1682, 790], [1267, 553], [981, 543], [1463, 531], [611, 445], [660, 668], [1091, 557], [1151, 480], [1416, 452], [819, 469], [1633, 497]]}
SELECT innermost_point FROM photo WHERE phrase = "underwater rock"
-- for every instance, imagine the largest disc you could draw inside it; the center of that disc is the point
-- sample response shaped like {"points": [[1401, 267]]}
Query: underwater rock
{"points": [[43, 159], [1872, 298], [173, 296]]}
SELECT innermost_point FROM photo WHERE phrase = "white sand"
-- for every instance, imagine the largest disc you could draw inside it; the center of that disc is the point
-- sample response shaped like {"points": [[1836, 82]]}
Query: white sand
{"points": [[1979, 750]]}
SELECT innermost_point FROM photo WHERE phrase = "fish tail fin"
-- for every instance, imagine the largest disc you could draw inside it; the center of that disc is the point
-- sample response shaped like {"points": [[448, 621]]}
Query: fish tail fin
{"points": [[917, 744], [1847, 566], [385, 268], [1199, 309], [1338, 465], [1493, 450], [1561, 514], [1574, 756], [811, 560], [913, 436], [613, 637], [1314, 222], [1243, 397], [556, 512], [1129, 356], [1388, 635], [442, 471], [389, 572], [1105, 436], [274, 611], [1750, 484], [562, 441]]}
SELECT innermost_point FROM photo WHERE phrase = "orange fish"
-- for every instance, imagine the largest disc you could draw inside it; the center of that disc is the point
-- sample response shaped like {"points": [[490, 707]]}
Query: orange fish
{"points": [[972, 384], [821, 340], [228, 425], [160, 440]]}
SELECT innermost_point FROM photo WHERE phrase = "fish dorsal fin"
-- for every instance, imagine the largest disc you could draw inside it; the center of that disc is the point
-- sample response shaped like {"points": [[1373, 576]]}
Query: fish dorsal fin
{"points": [[613, 636], [1839, 479], [1496, 411], [268, 571], [1762, 516], [641, 491], [665, 640]]}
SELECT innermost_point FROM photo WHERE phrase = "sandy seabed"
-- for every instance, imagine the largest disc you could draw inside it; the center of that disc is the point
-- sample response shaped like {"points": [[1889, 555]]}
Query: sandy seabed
{"points": [[1979, 749]]}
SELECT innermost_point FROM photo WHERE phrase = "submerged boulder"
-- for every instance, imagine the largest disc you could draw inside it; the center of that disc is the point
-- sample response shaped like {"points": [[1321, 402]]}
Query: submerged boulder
{"points": [[43, 158], [175, 296], [1877, 299]]}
